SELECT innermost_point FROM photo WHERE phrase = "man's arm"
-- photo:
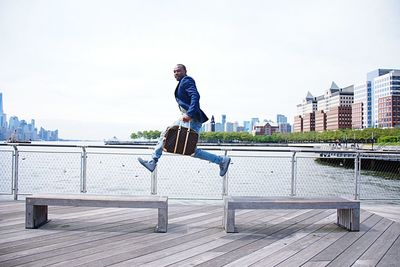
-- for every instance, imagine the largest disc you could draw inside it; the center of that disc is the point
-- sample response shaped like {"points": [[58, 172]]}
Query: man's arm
{"points": [[186, 118], [194, 106]]}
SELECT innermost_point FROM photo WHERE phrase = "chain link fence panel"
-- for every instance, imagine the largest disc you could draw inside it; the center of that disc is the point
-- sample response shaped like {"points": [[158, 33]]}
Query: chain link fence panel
{"points": [[117, 173], [321, 177], [252, 172], [380, 177], [260, 174], [44, 172], [6, 158], [189, 178]]}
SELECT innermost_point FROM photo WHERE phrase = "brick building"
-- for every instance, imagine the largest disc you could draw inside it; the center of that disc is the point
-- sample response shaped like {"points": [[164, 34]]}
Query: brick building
{"points": [[320, 121], [265, 129], [309, 122], [389, 111], [338, 118]]}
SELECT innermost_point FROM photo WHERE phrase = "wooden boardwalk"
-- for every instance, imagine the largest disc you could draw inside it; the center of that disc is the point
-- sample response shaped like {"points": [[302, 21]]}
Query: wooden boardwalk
{"points": [[124, 237]]}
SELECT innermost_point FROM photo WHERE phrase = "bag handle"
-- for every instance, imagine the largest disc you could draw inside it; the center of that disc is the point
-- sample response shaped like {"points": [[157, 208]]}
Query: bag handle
{"points": [[180, 125]]}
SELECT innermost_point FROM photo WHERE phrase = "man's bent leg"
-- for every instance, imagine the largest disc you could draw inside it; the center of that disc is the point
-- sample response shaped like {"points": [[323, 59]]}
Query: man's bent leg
{"points": [[158, 149], [222, 161], [201, 154], [204, 155], [157, 152]]}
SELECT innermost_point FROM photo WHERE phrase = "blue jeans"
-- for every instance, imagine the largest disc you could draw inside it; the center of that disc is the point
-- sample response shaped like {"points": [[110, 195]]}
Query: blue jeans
{"points": [[199, 153]]}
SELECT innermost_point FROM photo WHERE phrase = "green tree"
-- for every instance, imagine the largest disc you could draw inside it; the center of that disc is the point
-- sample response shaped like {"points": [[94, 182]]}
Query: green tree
{"points": [[134, 136], [343, 135]]}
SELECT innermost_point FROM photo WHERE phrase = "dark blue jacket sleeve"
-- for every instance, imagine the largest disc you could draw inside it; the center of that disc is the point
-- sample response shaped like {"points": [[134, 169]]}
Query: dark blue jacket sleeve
{"points": [[194, 97]]}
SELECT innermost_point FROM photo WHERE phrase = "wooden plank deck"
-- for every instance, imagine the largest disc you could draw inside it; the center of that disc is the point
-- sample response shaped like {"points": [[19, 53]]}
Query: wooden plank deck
{"points": [[78, 236]]}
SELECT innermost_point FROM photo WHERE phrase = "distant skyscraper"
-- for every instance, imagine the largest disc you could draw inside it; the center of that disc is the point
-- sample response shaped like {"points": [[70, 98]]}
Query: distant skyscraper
{"points": [[3, 117], [385, 91], [281, 119], [254, 122], [247, 126], [375, 100], [283, 126], [229, 127], [1, 103], [235, 126], [212, 124], [308, 105], [207, 127], [14, 123], [223, 122], [386, 95], [218, 127], [371, 76], [361, 108]]}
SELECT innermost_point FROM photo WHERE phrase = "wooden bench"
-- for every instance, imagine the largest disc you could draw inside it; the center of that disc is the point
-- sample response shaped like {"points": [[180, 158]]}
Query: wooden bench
{"points": [[37, 206], [348, 211]]}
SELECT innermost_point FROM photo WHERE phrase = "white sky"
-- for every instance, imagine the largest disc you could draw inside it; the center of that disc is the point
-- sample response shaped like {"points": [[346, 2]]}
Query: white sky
{"points": [[97, 69]]}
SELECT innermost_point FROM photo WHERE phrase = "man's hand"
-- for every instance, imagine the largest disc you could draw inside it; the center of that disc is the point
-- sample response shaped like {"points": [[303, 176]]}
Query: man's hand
{"points": [[186, 118]]}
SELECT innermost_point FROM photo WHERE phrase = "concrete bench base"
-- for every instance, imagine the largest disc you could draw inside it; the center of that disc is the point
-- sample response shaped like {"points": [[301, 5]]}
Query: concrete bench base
{"points": [[348, 211], [37, 206]]}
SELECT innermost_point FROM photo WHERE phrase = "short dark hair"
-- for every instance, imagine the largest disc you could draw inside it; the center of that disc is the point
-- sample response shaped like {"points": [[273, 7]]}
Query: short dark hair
{"points": [[181, 66]]}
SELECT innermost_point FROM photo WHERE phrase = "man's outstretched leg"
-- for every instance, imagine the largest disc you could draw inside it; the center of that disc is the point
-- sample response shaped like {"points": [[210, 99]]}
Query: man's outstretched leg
{"points": [[224, 165], [148, 164], [152, 164], [222, 161]]}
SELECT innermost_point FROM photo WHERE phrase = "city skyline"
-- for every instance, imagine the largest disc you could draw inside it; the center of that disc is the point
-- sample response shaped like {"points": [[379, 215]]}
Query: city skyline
{"points": [[13, 123], [374, 103], [226, 125], [14, 129], [98, 69]]}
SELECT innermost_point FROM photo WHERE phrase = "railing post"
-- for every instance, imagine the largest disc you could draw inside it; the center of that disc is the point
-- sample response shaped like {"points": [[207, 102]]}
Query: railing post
{"points": [[293, 179], [15, 172], [83, 170], [357, 168], [225, 181], [154, 182]]}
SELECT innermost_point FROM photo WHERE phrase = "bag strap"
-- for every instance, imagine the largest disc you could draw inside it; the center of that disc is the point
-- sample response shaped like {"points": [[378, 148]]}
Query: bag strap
{"points": [[180, 125], [187, 138]]}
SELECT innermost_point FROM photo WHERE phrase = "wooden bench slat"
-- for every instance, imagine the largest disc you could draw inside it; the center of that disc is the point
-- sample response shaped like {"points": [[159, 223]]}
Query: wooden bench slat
{"points": [[37, 211], [348, 211]]}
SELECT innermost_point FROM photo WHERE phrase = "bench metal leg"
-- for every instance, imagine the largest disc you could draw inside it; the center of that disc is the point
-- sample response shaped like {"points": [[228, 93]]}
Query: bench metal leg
{"points": [[229, 220], [162, 220], [35, 216], [349, 219]]}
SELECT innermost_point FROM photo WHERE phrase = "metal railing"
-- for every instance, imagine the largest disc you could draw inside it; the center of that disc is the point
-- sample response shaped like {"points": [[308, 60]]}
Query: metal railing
{"points": [[359, 174]]}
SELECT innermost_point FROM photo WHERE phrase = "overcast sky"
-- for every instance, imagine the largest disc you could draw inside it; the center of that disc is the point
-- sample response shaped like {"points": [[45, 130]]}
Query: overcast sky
{"points": [[97, 69]]}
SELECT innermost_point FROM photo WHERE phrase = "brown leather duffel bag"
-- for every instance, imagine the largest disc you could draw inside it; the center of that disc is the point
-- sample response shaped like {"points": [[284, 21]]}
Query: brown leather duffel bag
{"points": [[180, 140]]}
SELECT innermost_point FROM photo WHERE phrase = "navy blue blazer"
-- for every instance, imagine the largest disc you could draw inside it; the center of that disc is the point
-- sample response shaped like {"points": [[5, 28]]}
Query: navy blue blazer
{"points": [[188, 98]]}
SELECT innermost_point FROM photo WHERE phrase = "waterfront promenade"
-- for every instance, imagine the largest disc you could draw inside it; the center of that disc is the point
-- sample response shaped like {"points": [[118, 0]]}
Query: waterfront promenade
{"points": [[78, 236]]}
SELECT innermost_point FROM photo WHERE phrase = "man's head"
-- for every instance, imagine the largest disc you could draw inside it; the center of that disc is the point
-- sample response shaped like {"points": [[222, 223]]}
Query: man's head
{"points": [[179, 71]]}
